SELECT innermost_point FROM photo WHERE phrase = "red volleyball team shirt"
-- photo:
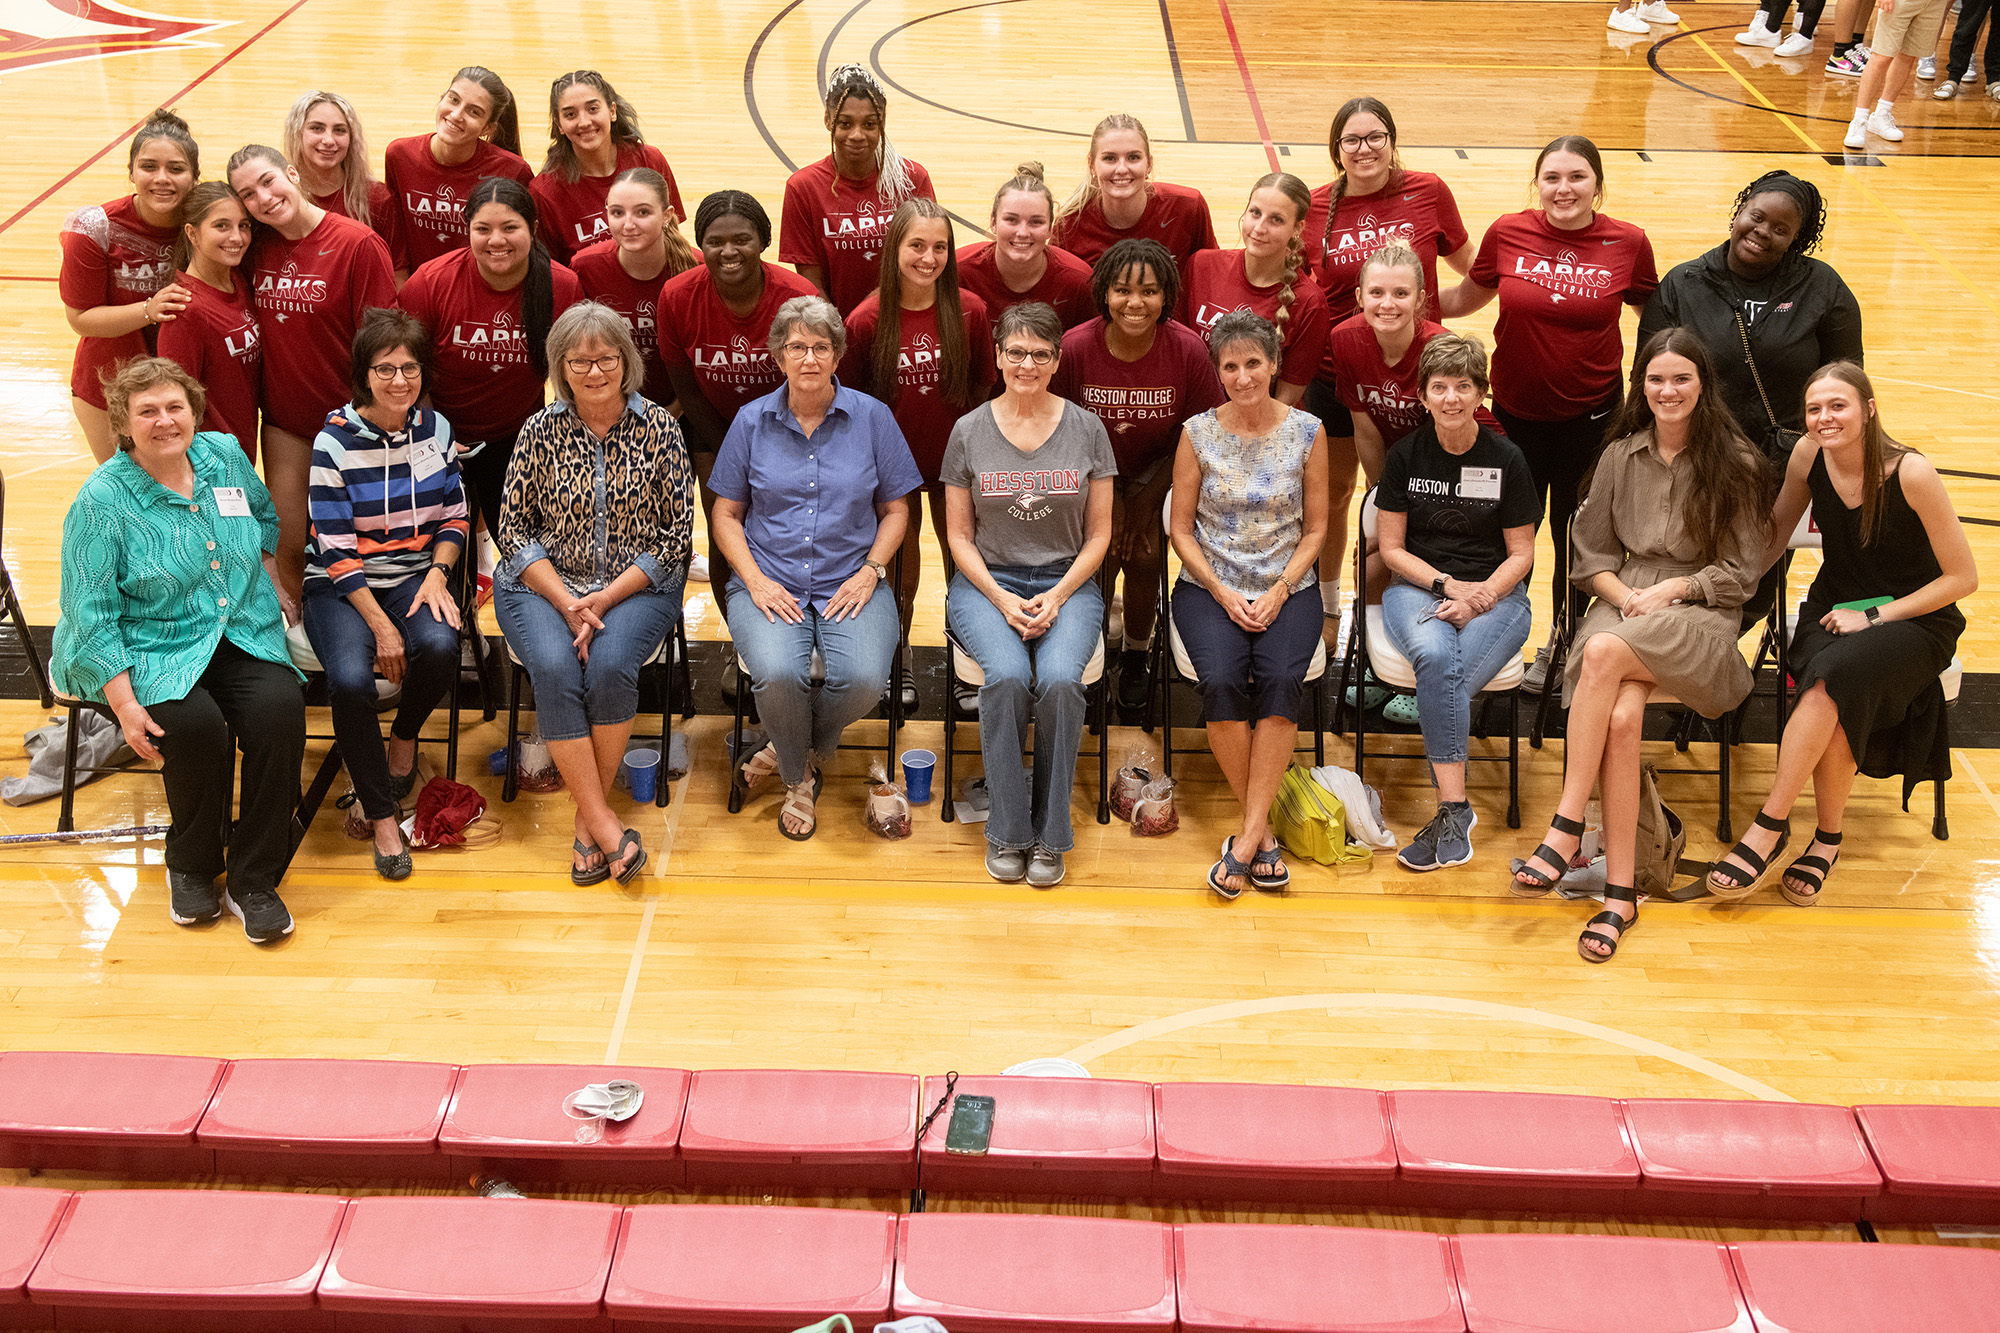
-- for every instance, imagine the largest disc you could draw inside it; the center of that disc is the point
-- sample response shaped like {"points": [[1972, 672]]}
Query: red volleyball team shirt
{"points": [[837, 225], [1557, 347], [730, 357], [572, 212], [310, 295], [1176, 216], [482, 379], [1389, 395], [1065, 284], [920, 407], [215, 339], [1142, 403], [1414, 205], [430, 197], [1215, 285], [111, 256], [637, 302], [381, 211]]}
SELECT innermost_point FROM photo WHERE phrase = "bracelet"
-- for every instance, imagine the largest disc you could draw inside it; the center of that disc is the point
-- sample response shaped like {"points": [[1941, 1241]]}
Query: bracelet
{"points": [[146, 308]]}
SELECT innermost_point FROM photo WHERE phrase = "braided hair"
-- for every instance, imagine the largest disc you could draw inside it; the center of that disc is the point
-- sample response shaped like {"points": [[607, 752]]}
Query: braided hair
{"points": [[1803, 193], [1353, 107], [732, 204], [1300, 196], [538, 292], [894, 184]]}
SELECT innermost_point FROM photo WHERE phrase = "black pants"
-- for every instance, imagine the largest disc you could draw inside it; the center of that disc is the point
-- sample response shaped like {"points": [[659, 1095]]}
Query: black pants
{"points": [[1246, 677], [1560, 454], [1971, 14], [1809, 12], [486, 481], [261, 701]]}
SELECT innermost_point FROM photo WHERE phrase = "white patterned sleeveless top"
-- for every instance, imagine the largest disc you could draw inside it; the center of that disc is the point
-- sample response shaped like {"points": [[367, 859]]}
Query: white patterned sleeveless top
{"points": [[1251, 511]]}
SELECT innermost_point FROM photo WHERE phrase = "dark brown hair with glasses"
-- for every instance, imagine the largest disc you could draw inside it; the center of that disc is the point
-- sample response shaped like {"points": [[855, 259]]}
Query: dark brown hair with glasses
{"points": [[384, 329]]}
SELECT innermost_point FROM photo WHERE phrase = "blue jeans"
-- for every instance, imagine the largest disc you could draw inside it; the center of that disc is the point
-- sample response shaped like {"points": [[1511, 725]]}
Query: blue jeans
{"points": [[345, 646], [571, 696], [1038, 681], [1453, 664], [804, 726]]}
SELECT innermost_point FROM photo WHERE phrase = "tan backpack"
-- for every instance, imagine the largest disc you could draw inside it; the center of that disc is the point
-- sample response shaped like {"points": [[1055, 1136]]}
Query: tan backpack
{"points": [[1661, 840]]}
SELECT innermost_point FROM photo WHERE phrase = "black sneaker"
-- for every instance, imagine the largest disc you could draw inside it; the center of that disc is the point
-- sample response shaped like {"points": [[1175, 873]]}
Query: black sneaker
{"points": [[1135, 679], [196, 901], [262, 913]]}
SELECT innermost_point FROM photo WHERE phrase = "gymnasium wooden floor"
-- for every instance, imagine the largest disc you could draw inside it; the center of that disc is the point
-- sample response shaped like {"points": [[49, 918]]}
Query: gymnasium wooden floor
{"points": [[742, 949]]}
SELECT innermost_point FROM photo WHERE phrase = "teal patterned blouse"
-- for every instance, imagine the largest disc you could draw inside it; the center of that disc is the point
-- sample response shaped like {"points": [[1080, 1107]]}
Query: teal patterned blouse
{"points": [[152, 580]]}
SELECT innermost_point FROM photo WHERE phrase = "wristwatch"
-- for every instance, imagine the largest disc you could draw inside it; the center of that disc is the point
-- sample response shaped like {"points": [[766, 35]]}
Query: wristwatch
{"points": [[1437, 586], [1874, 614], [881, 570]]}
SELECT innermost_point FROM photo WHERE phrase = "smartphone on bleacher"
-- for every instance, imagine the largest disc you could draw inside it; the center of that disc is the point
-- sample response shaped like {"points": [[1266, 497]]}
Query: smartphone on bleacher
{"points": [[971, 1127]]}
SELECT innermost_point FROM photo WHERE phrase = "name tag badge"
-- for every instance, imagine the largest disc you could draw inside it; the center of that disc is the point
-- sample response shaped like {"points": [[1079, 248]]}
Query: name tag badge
{"points": [[231, 502], [1479, 483], [426, 461]]}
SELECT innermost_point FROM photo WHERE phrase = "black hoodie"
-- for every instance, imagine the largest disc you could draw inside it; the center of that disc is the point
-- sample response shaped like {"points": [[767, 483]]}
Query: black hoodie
{"points": [[1799, 319]]}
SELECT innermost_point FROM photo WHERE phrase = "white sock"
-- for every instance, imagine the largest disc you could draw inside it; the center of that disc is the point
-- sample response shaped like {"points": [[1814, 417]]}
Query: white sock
{"points": [[1860, 114], [1329, 596], [1138, 645], [1882, 107], [489, 555]]}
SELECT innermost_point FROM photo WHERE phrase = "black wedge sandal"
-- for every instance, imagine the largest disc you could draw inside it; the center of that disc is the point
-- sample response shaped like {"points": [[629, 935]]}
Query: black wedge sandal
{"points": [[1733, 888], [1813, 869], [1622, 893], [1537, 883]]}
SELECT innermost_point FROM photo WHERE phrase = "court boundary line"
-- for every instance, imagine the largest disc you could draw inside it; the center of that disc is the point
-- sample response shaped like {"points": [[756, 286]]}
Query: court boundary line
{"points": [[171, 101], [1180, 81], [1249, 86], [632, 971]]}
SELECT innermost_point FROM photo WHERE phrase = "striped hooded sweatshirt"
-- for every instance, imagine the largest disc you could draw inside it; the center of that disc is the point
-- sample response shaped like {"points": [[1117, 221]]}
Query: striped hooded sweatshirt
{"points": [[379, 502]]}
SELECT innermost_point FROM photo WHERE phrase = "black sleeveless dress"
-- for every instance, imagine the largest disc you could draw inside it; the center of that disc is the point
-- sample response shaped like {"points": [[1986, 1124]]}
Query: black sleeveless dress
{"points": [[1884, 680]]}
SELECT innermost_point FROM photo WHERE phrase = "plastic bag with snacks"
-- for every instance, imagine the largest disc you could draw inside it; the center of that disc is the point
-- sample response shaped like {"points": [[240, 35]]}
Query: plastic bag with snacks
{"points": [[1154, 813], [1131, 781], [887, 811], [534, 768]]}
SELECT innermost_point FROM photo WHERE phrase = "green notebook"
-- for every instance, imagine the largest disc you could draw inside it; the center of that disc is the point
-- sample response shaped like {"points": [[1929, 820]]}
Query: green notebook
{"points": [[1863, 604]]}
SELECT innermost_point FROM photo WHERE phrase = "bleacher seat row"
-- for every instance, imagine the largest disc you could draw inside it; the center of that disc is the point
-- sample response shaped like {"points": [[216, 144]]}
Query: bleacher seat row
{"points": [[179, 1116], [247, 1261]]}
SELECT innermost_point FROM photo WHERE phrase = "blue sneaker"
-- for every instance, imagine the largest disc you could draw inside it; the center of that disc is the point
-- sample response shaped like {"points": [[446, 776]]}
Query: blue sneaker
{"points": [[1445, 841]]}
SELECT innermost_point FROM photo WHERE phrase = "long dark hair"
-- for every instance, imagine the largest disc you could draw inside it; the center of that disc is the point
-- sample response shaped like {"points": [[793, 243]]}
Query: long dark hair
{"points": [[506, 120], [538, 293], [954, 356], [1877, 448], [625, 131], [1731, 478], [1353, 107]]}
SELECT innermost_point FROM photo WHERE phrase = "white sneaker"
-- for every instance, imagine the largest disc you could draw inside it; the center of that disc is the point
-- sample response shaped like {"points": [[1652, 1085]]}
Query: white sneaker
{"points": [[1759, 35], [1656, 11], [1927, 68], [1628, 20], [1947, 90], [698, 569], [1857, 133], [1797, 44], [1860, 53], [1884, 124]]}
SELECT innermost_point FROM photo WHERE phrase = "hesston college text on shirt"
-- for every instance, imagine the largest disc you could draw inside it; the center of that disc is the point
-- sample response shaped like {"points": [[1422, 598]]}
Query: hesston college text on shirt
{"points": [[1031, 488]]}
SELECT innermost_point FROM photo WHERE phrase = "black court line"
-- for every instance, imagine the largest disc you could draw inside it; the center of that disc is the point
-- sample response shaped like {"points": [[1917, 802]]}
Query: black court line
{"points": [[826, 47], [1975, 476], [750, 88], [1180, 84], [1981, 522]]}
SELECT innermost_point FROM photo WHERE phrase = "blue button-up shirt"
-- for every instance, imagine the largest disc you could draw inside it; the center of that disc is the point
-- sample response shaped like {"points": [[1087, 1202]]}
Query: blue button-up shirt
{"points": [[811, 516]]}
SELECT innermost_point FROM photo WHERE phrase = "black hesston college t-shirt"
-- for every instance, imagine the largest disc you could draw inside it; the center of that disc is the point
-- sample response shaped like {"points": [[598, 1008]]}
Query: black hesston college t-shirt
{"points": [[1459, 505]]}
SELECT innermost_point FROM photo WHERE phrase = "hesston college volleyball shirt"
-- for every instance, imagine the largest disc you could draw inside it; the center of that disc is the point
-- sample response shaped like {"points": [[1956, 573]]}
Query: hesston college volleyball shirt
{"points": [[1216, 286], [838, 225], [1142, 403], [482, 380], [637, 302], [919, 405], [1557, 349], [730, 357], [1065, 284], [430, 197], [1028, 506], [571, 213], [215, 339], [1415, 205], [310, 295], [1390, 396]]}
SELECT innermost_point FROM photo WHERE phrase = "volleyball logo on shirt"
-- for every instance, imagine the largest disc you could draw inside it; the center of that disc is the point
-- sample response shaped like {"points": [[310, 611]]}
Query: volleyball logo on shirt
{"points": [[1205, 315], [1563, 274], [498, 343], [1391, 409], [920, 365], [1120, 408], [741, 362], [1031, 490], [856, 231], [243, 342], [1365, 235], [439, 210], [289, 292], [643, 324]]}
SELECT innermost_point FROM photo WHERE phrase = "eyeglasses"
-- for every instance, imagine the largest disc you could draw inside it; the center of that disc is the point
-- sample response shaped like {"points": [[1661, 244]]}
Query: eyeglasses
{"points": [[801, 351], [1021, 356], [409, 370], [607, 364], [1350, 142]]}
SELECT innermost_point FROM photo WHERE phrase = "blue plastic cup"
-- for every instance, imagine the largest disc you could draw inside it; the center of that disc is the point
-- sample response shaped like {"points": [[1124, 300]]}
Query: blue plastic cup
{"points": [[642, 768], [917, 768]]}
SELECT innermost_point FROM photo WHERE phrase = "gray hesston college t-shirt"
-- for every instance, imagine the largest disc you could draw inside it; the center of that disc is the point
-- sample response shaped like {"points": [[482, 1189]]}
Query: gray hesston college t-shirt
{"points": [[1028, 506]]}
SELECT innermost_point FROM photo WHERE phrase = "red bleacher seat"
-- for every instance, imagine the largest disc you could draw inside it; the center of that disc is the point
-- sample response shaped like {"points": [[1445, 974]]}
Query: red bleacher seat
{"points": [[156, 1261], [329, 1118], [86, 1111], [1050, 1136], [1272, 1144], [1755, 1160], [1513, 1151], [508, 1121], [1942, 1163], [1313, 1280], [1004, 1272], [1817, 1287], [815, 1129], [683, 1269], [1596, 1284], [412, 1264], [28, 1218]]}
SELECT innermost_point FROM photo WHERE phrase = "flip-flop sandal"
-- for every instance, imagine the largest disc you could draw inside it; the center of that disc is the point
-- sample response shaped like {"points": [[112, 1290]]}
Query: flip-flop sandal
{"points": [[585, 876], [630, 842], [800, 808], [1268, 873], [1226, 869]]}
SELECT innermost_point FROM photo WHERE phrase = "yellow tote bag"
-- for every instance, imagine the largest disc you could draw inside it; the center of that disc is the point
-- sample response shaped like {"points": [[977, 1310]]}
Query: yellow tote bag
{"points": [[1311, 822]]}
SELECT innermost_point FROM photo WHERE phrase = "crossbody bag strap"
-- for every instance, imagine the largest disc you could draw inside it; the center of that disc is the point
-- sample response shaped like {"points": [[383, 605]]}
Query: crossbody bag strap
{"points": [[1743, 331]]}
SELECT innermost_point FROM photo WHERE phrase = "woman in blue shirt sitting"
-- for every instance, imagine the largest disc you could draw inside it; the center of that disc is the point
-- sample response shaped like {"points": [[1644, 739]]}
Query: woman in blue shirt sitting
{"points": [[170, 618], [811, 488]]}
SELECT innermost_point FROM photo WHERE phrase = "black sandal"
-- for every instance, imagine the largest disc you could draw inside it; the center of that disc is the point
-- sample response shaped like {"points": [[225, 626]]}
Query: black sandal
{"points": [[1268, 873], [629, 845], [1734, 888], [586, 875], [1226, 869], [1537, 883], [1620, 893], [1812, 869]]}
